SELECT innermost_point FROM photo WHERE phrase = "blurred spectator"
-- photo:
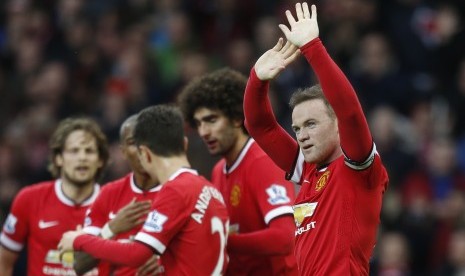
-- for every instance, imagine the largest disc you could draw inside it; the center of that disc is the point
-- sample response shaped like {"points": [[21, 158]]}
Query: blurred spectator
{"points": [[392, 256]]}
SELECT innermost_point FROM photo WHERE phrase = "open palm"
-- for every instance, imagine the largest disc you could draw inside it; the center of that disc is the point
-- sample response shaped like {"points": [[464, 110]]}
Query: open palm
{"points": [[273, 61]]}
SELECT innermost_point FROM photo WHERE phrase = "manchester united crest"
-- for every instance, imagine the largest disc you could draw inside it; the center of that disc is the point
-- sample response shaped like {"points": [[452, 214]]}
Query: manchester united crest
{"points": [[322, 181], [235, 196]]}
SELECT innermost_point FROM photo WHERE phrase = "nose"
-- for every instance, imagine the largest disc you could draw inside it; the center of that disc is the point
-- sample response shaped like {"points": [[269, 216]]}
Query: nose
{"points": [[302, 135], [203, 130]]}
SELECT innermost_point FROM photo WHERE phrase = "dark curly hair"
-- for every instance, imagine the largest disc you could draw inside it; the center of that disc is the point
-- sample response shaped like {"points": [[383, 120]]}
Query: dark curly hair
{"points": [[221, 90]]}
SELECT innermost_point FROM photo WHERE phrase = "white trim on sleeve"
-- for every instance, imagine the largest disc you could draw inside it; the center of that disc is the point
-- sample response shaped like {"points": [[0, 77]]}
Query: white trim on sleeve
{"points": [[150, 240], [10, 244], [92, 230], [282, 210]]}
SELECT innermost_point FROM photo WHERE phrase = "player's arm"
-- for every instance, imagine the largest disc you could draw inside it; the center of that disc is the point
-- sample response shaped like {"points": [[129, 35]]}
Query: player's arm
{"points": [[277, 239], [259, 118], [132, 254], [304, 33], [7, 261], [130, 216]]}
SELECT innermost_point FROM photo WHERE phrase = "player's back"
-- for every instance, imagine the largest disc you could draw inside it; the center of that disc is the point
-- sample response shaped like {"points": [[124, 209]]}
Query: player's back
{"points": [[188, 225]]}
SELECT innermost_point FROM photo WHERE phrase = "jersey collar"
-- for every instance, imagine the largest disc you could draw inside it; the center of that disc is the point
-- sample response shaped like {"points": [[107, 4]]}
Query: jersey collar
{"points": [[239, 159], [138, 190], [67, 201], [182, 170]]}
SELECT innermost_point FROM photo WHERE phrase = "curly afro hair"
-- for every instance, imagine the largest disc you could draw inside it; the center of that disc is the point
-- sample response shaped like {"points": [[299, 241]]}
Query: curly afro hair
{"points": [[221, 90]]}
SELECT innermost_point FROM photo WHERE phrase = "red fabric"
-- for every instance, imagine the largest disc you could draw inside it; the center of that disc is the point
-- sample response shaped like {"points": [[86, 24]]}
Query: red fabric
{"points": [[262, 125], [280, 232], [340, 94], [132, 254]]}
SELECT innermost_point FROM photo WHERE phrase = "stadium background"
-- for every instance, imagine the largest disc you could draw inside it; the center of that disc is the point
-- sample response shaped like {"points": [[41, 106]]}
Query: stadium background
{"points": [[110, 58]]}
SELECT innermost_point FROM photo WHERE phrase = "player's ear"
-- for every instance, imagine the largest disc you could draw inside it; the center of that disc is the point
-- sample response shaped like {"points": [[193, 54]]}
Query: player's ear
{"points": [[186, 143], [58, 160], [237, 122]]}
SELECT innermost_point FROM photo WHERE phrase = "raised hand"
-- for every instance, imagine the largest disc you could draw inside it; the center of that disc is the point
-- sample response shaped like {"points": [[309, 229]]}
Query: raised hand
{"points": [[273, 61], [305, 29], [133, 214]]}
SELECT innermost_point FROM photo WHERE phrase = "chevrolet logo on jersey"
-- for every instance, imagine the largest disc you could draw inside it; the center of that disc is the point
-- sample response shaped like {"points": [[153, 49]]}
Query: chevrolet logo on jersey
{"points": [[301, 211], [322, 181], [235, 196]]}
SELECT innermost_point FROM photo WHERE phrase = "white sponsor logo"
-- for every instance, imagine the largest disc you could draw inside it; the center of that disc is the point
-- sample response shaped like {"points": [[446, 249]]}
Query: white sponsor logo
{"points": [[10, 224], [111, 215], [47, 224], [306, 228], [154, 222], [306, 181], [277, 194]]}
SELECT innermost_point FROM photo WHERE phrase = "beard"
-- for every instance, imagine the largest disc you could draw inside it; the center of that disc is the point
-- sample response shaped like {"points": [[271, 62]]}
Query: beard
{"points": [[78, 182]]}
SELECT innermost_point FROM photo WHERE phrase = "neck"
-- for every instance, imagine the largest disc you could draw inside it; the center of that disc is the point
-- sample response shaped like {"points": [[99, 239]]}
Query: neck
{"points": [[164, 167], [77, 193], [236, 149], [144, 181]]}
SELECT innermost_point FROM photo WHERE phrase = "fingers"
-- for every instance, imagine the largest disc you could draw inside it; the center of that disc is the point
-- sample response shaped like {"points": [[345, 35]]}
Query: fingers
{"points": [[285, 30], [290, 18], [291, 58], [279, 44], [306, 10], [151, 267], [314, 17], [299, 11]]}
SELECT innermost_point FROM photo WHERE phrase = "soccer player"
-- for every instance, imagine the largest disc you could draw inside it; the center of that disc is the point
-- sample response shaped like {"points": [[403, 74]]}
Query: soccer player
{"points": [[258, 198], [41, 213], [188, 223], [334, 158], [120, 208]]}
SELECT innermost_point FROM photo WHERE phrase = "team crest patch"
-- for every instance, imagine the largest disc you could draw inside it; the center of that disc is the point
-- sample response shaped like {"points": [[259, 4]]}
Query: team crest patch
{"points": [[322, 181], [235, 196], [301, 211], [277, 194], [10, 224], [154, 222]]}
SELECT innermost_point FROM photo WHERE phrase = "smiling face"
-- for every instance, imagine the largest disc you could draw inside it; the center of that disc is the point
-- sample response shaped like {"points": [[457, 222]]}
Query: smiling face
{"points": [[217, 131], [316, 132], [79, 160]]}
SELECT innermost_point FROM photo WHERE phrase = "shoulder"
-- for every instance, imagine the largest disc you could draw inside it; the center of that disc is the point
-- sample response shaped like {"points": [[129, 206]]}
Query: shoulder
{"points": [[37, 189], [117, 184]]}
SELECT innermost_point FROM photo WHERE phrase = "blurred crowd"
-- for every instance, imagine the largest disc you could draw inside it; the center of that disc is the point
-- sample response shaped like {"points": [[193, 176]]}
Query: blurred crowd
{"points": [[110, 58]]}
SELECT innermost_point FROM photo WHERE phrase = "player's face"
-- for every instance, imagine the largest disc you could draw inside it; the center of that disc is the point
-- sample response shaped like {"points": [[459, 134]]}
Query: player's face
{"points": [[80, 158], [217, 132], [129, 149], [316, 132]]}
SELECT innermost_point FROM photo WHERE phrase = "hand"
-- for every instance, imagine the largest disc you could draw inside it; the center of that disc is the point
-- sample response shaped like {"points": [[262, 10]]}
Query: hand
{"points": [[133, 214], [67, 240], [151, 267], [273, 61], [305, 29]]}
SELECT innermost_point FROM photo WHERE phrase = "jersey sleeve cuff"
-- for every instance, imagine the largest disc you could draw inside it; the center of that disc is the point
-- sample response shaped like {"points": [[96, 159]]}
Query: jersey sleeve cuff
{"points": [[151, 241], [359, 166], [10, 244], [92, 230], [283, 210]]}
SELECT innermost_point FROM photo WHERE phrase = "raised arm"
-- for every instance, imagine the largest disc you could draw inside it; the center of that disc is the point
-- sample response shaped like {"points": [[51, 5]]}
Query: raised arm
{"points": [[259, 118], [356, 140]]}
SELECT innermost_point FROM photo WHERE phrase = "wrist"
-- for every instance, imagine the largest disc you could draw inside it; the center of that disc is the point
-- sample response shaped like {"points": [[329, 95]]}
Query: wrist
{"points": [[106, 232]]}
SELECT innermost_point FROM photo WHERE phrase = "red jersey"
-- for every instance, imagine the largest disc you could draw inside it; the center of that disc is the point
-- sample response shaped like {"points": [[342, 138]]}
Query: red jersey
{"points": [[114, 196], [255, 192], [188, 225], [337, 209], [39, 216]]}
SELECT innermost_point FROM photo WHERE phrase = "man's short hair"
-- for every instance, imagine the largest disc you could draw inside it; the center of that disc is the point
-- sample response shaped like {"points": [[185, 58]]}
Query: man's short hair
{"points": [[311, 93], [221, 90], [61, 133], [160, 128]]}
